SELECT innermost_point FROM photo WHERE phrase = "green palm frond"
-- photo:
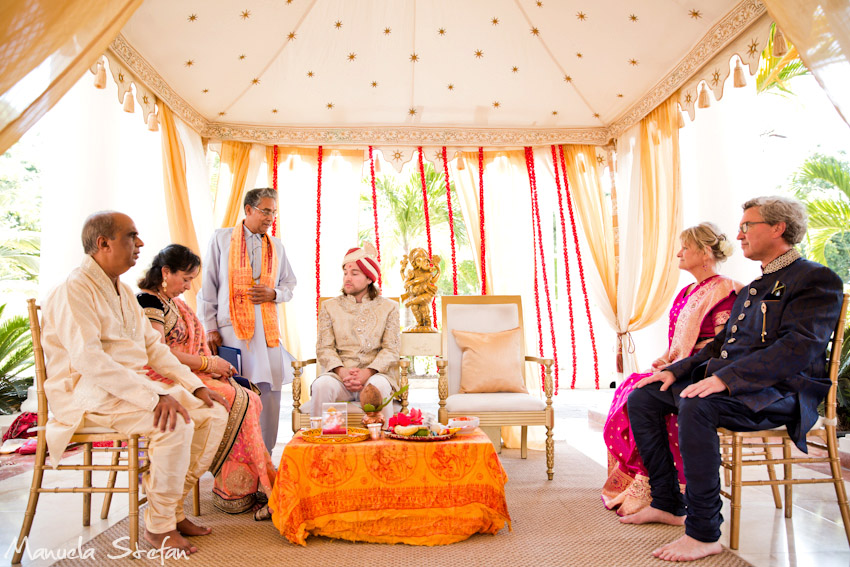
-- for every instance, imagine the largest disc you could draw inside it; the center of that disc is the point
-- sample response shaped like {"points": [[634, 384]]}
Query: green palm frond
{"points": [[816, 244], [774, 73], [20, 255], [15, 357], [826, 214], [822, 170]]}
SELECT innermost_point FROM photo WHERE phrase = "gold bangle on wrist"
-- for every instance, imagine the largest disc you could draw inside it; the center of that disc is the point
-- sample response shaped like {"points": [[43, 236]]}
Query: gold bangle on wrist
{"points": [[203, 364]]}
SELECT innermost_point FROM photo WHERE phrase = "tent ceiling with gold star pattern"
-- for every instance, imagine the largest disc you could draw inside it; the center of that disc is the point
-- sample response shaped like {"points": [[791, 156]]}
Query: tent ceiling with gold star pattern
{"points": [[442, 72]]}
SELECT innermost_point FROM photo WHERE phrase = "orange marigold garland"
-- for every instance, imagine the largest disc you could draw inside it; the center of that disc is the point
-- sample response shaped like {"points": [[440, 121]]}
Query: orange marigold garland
{"points": [[580, 267], [375, 211]]}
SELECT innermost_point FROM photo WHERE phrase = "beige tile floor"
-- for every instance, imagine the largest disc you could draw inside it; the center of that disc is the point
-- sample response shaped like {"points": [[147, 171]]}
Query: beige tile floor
{"points": [[814, 536]]}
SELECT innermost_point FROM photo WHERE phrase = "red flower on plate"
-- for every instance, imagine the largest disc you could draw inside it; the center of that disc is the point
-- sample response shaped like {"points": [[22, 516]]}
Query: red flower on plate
{"points": [[413, 418]]}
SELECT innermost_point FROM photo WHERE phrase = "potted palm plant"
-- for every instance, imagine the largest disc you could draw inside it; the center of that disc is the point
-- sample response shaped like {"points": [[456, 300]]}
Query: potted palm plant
{"points": [[15, 358]]}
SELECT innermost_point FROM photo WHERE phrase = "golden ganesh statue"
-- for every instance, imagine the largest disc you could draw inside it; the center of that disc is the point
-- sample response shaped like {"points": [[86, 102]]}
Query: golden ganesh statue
{"points": [[420, 287]]}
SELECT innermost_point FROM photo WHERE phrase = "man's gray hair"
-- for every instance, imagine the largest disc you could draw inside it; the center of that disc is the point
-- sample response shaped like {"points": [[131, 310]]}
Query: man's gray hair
{"points": [[254, 196], [776, 209], [101, 223]]}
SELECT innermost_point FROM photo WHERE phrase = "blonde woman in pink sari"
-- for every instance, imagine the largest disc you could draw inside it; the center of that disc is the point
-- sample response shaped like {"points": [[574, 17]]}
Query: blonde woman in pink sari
{"points": [[243, 470], [699, 312]]}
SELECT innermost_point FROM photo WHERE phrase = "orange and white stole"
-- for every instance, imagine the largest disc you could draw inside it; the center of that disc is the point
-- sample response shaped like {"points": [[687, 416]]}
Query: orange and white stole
{"points": [[242, 280]]}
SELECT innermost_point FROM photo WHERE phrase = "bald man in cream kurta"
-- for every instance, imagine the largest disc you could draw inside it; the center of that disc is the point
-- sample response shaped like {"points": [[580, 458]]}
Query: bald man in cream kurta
{"points": [[97, 342], [356, 335]]}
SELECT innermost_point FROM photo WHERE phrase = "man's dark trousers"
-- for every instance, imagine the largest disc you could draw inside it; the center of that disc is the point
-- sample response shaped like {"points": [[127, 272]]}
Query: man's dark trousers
{"points": [[698, 420]]}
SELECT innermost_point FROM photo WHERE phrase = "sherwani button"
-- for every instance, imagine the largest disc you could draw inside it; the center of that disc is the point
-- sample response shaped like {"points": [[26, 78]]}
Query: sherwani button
{"points": [[732, 340], [741, 316], [734, 328], [747, 303], [723, 354], [753, 291]]}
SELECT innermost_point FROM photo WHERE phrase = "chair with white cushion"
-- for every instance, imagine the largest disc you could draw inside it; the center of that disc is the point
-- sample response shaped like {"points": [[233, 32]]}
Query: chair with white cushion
{"points": [[482, 371]]}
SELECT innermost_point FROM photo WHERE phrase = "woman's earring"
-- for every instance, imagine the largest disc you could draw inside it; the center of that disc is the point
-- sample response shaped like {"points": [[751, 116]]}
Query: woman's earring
{"points": [[164, 286]]}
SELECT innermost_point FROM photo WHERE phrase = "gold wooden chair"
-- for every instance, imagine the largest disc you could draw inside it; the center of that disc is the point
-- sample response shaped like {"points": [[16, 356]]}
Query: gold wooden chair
{"points": [[87, 436], [355, 412], [489, 314], [821, 436]]}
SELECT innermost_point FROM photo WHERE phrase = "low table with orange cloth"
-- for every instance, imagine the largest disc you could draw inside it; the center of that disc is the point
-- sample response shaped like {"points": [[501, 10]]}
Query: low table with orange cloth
{"points": [[390, 491]]}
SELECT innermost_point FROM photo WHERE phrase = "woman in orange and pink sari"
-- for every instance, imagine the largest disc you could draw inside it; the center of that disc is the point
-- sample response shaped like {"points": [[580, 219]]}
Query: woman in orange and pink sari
{"points": [[699, 312], [243, 470]]}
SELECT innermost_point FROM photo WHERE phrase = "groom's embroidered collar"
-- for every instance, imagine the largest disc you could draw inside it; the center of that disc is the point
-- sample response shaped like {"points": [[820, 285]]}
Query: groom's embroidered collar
{"points": [[782, 261]]}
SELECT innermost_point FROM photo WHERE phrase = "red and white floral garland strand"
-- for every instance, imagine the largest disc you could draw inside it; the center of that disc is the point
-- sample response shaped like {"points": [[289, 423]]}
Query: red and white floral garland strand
{"points": [[318, 228], [451, 220], [427, 225], [536, 285], [274, 186], [566, 265], [481, 221], [375, 211], [535, 209], [580, 267]]}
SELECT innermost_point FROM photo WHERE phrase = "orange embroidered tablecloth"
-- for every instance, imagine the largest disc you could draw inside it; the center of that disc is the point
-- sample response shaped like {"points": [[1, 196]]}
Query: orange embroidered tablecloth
{"points": [[390, 491]]}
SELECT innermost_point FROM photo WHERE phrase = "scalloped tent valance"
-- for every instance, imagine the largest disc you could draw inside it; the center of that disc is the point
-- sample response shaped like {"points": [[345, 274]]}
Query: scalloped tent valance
{"points": [[501, 74]]}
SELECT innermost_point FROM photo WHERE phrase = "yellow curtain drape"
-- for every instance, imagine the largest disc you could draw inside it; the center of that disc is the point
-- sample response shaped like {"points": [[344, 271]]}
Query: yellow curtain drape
{"points": [[45, 48], [820, 30], [235, 157], [180, 223], [661, 213]]}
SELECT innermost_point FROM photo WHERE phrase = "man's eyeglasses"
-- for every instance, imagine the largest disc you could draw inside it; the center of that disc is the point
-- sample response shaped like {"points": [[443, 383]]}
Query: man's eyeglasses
{"points": [[265, 212], [744, 227]]}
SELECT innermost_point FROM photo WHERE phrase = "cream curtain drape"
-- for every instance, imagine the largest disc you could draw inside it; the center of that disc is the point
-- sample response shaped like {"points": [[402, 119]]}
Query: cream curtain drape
{"points": [[467, 180], [45, 48], [638, 285], [597, 219], [297, 187], [820, 30], [509, 249], [177, 207]]}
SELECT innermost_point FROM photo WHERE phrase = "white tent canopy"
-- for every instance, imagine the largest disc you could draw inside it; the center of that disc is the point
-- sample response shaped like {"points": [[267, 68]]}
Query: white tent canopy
{"points": [[490, 73]]}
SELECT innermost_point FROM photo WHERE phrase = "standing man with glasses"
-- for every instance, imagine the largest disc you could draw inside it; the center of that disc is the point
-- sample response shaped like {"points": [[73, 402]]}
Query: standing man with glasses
{"points": [[246, 274], [765, 369]]}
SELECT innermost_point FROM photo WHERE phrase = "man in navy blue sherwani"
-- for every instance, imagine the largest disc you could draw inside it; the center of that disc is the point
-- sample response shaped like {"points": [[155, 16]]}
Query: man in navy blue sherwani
{"points": [[765, 369]]}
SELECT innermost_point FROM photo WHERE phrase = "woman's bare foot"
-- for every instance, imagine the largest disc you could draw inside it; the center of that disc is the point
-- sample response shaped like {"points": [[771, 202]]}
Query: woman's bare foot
{"points": [[187, 528], [170, 541], [650, 515], [687, 548], [263, 514]]}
